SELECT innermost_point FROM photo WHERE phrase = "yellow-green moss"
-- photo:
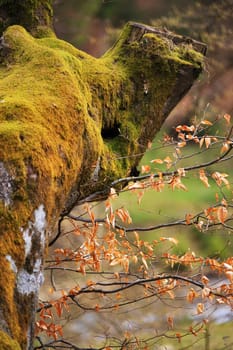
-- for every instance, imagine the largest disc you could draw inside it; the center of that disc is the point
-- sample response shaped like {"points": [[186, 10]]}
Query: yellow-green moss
{"points": [[7, 343], [40, 93], [11, 244], [54, 103], [55, 99]]}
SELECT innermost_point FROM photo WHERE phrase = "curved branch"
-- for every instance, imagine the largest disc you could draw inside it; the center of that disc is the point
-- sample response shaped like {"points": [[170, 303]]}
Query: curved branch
{"points": [[181, 222], [122, 286], [128, 179]]}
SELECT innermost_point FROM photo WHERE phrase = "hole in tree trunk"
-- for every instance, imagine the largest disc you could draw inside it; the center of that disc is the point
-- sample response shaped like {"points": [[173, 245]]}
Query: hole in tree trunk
{"points": [[111, 131]]}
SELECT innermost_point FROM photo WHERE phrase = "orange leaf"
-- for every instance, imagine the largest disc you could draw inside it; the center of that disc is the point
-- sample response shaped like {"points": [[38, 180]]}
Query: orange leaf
{"points": [[200, 308], [113, 193], [220, 178], [178, 336], [115, 262], [127, 335], [170, 239], [58, 307], [176, 183], [192, 331], [205, 280], [227, 117], [168, 161], [145, 169], [222, 214], [181, 144], [185, 128], [90, 213], [229, 275], [90, 283], [171, 294], [82, 269], [188, 218], [203, 178], [59, 330], [225, 147], [124, 215], [158, 161], [181, 172], [144, 263], [118, 295], [170, 322], [42, 325], [178, 128], [206, 122], [205, 292], [140, 196], [207, 142], [191, 295], [136, 235], [135, 185], [181, 136]]}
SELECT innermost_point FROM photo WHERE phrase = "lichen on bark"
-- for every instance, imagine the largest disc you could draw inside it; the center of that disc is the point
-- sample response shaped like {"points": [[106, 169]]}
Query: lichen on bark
{"points": [[69, 125]]}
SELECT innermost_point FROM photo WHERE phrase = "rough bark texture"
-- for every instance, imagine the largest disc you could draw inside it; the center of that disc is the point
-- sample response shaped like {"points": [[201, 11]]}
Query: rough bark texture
{"points": [[34, 15], [69, 124]]}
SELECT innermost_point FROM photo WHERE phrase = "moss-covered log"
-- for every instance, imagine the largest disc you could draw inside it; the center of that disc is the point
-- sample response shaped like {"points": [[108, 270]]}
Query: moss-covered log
{"points": [[69, 125]]}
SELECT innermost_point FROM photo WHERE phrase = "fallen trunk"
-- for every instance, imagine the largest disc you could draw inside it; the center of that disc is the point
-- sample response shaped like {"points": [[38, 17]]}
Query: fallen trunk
{"points": [[69, 125]]}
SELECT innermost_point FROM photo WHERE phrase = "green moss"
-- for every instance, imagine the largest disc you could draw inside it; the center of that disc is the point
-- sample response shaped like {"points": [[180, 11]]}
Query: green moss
{"points": [[106, 88], [61, 112], [55, 100], [11, 244], [7, 343]]}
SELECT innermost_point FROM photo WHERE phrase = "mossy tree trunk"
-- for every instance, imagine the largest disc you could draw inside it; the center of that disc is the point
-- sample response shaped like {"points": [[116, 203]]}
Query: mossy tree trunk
{"points": [[31, 14], [69, 125]]}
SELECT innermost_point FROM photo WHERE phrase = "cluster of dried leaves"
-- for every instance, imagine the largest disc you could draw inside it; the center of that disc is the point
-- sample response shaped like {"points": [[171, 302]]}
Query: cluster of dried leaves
{"points": [[113, 251]]}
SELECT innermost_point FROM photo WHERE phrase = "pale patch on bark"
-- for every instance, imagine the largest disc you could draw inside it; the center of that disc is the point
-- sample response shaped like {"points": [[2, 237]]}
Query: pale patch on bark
{"points": [[38, 226], [30, 282], [5, 185], [12, 263]]}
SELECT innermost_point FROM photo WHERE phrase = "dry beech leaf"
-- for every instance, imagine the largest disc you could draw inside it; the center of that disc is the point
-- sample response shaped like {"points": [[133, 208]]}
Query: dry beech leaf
{"points": [[225, 147], [227, 117], [188, 218], [200, 308], [206, 122], [205, 280], [157, 161], [170, 322], [145, 169], [207, 142], [144, 263], [204, 178]]}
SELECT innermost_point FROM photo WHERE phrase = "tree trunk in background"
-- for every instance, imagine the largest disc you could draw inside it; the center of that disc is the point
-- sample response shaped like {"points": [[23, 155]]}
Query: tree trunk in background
{"points": [[69, 125], [31, 14]]}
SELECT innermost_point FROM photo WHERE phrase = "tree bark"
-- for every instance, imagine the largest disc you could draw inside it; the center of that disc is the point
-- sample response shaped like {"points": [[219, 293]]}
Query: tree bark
{"points": [[69, 125], [33, 15]]}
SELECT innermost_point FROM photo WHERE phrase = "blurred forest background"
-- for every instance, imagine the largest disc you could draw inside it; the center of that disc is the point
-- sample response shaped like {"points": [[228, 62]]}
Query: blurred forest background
{"points": [[93, 26]]}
